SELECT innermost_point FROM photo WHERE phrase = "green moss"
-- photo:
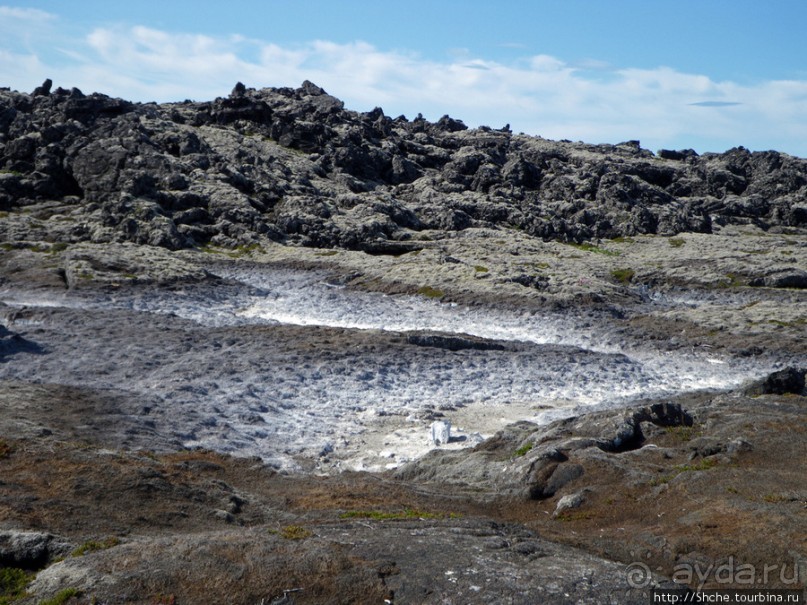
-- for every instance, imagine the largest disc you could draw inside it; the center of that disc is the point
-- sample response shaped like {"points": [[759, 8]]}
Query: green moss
{"points": [[703, 465], [524, 449], [676, 242], [595, 249], [480, 269], [63, 596], [623, 276], [788, 324], [95, 545], [682, 433], [244, 250], [327, 253], [12, 584], [623, 240], [296, 532], [430, 292], [59, 247], [733, 281]]}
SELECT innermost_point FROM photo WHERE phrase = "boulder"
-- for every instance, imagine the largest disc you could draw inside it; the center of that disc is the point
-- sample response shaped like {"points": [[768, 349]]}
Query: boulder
{"points": [[628, 435], [440, 432], [44, 89], [679, 155], [570, 502], [31, 550], [795, 278], [788, 381]]}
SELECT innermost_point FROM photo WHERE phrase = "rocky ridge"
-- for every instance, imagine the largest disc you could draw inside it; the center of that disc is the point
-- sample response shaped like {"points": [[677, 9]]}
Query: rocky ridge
{"points": [[293, 165]]}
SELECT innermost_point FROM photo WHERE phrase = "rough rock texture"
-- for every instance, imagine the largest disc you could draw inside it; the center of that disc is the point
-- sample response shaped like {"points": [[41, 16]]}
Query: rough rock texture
{"points": [[525, 461], [294, 165], [348, 563], [125, 228], [784, 382], [197, 526], [31, 550]]}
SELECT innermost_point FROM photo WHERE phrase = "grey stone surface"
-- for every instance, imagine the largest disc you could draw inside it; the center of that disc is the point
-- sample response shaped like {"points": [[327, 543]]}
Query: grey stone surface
{"points": [[31, 550]]}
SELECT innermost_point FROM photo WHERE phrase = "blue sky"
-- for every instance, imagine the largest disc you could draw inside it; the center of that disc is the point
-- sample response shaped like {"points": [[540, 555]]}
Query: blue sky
{"points": [[706, 74]]}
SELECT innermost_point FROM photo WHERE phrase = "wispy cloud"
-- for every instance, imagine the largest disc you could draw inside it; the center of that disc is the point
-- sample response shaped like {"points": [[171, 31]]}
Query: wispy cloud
{"points": [[25, 14], [540, 94], [715, 104]]}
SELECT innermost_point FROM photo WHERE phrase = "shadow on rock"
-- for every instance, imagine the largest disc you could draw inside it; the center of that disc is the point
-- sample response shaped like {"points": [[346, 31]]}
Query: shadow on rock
{"points": [[12, 343]]}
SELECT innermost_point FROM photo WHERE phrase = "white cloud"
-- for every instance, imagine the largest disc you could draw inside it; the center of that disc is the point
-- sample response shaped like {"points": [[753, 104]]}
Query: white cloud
{"points": [[541, 94], [25, 14]]}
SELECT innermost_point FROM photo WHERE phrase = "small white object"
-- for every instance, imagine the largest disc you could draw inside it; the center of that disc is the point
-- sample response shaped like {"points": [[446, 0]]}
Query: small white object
{"points": [[440, 432]]}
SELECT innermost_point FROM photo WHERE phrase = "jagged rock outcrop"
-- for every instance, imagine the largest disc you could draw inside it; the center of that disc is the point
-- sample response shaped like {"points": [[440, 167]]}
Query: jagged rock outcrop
{"points": [[531, 462], [31, 550], [787, 381], [294, 165]]}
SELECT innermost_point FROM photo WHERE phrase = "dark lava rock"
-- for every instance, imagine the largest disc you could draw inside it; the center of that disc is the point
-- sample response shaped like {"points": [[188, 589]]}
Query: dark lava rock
{"points": [[453, 343], [44, 90], [788, 381], [264, 163], [782, 279], [628, 435]]}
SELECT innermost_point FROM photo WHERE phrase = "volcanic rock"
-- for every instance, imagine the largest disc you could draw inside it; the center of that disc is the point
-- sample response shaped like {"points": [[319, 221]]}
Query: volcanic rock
{"points": [[30, 550], [788, 381], [294, 165]]}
